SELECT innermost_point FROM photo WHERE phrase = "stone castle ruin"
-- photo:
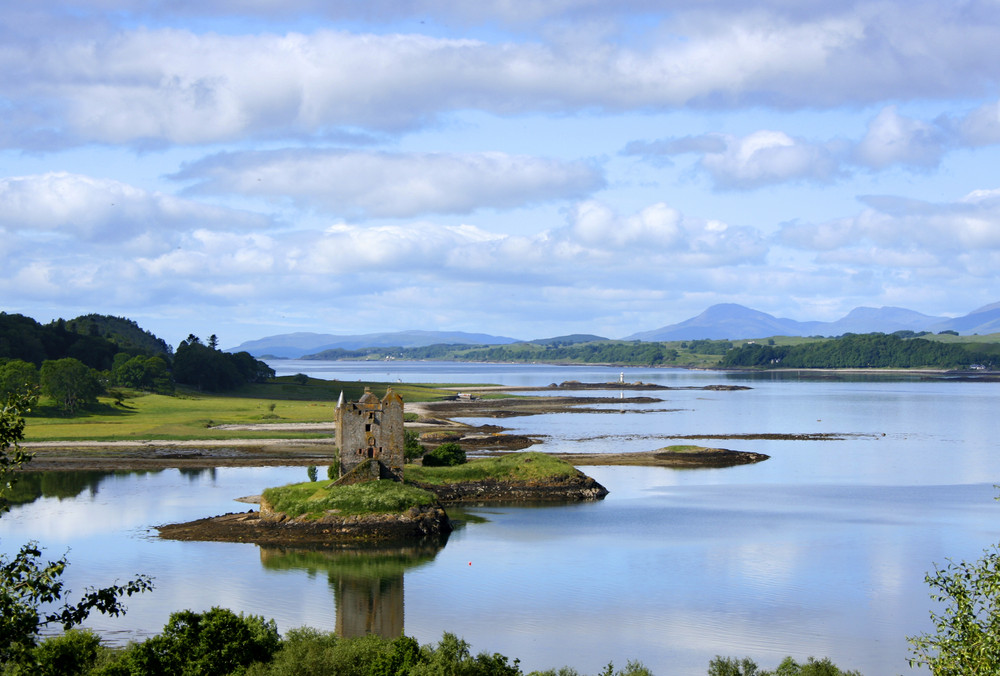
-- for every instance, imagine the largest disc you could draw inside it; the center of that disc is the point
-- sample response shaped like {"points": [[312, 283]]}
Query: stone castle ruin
{"points": [[370, 437]]}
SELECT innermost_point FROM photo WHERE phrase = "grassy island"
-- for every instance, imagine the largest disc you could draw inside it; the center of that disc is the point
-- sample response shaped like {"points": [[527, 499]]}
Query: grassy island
{"points": [[316, 498], [519, 467]]}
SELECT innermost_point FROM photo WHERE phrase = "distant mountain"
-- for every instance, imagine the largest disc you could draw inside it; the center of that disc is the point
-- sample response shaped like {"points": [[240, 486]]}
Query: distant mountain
{"points": [[296, 345], [875, 320], [982, 321], [724, 321], [731, 321]]}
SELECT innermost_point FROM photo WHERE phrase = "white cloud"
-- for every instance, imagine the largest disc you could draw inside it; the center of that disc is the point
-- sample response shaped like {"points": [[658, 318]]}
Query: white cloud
{"points": [[164, 85], [896, 233], [373, 184], [105, 211], [894, 139], [768, 157], [980, 127]]}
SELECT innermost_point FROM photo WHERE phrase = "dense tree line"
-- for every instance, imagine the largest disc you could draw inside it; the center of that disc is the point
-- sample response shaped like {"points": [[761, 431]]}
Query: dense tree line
{"points": [[208, 368], [870, 350], [597, 352], [72, 362]]}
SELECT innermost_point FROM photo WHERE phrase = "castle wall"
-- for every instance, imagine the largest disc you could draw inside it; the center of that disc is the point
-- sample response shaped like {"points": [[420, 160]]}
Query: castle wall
{"points": [[370, 428]]}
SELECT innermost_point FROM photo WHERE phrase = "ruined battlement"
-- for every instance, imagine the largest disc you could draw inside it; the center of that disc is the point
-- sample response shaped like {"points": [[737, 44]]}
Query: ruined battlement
{"points": [[371, 429]]}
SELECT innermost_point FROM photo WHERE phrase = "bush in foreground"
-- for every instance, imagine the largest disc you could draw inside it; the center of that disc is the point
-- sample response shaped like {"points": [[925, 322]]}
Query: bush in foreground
{"points": [[448, 454], [219, 642], [728, 666]]}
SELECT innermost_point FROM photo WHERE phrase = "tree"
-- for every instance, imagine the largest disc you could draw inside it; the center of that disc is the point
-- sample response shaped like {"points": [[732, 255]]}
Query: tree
{"points": [[217, 641], [447, 454], [412, 448], [26, 584], [17, 376], [70, 383], [966, 640]]}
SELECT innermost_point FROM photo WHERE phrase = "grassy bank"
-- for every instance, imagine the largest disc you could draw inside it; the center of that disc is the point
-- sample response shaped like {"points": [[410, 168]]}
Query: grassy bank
{"points": [[194, 415], [314, 498], [514, 467]]}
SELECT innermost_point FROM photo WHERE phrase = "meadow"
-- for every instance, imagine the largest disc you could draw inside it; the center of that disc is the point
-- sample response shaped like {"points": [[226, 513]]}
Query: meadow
{"points": [[192, 415]]}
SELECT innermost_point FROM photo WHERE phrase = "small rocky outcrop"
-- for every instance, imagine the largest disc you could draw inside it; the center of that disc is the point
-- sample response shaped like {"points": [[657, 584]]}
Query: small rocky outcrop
{"points": [[568, 489], [271, 528]]}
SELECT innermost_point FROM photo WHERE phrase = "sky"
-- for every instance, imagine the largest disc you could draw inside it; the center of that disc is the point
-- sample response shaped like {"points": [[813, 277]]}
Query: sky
{"points": [[524, 168]]}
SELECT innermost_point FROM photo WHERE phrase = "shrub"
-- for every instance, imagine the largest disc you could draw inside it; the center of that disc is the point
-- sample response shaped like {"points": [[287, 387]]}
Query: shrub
{"points": [[966, 639], [446, 455], [74, 652], [215, 642], [411, 445]]}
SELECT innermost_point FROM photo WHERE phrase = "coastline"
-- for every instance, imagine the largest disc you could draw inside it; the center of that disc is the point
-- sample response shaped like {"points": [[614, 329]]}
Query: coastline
{"points": [[436, 423]]}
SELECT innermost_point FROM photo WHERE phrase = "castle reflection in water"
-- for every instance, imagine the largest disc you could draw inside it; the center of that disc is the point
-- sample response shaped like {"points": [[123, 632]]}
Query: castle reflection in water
{"points": [[367, 582]]}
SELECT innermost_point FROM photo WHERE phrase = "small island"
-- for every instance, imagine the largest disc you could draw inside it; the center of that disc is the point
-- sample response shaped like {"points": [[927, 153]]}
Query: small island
{"points": [[371, 500]]}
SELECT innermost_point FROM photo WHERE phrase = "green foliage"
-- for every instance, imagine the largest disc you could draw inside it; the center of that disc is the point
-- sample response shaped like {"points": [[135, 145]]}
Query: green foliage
{"points": [[27, 584], [528, 466], [312, 472], [207, 368], [729, 666], [124, 333], [870, 350], [74, 653], [12, 456], [369, 497], [217, 641], [966, 638], [70, 383], [412, 448], [448, 454], [732, 666], [140, 372], [600, 351], [16, 376], [23, 338]]}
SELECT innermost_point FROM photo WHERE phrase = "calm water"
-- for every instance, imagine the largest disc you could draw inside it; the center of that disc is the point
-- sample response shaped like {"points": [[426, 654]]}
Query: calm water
{"points": [[820, 550]]}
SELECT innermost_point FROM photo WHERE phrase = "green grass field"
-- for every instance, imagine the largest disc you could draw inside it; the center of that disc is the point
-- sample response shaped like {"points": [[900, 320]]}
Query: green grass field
{"points": [[530, 466], [193, 415], [316, 497]]}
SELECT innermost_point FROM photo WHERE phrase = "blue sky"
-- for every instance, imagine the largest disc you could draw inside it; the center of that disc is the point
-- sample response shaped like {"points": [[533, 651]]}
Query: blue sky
{"points": [[527, 169]]}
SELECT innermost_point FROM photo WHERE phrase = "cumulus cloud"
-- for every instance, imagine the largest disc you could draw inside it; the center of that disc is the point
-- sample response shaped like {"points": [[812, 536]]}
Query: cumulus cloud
{"points": [[894, 139], [769, 157], [104, 210], [658, 233], [166, 86], [981, 127], [907, 233], [399, 185]]}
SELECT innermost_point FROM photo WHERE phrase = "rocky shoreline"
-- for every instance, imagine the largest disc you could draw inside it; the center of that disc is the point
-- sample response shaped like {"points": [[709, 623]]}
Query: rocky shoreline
{"points": [[277, 529], [266, 527], [568, 489]]}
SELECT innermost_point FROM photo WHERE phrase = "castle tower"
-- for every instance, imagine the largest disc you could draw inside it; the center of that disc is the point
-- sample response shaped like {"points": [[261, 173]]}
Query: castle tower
{"points": [[370, 429]]}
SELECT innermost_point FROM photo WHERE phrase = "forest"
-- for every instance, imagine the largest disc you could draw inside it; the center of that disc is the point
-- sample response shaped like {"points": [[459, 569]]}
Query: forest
{"points": [[870, 350]]}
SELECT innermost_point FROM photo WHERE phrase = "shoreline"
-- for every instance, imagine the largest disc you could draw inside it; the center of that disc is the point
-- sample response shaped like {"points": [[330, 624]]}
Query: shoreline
{"points": [[436, 423]]}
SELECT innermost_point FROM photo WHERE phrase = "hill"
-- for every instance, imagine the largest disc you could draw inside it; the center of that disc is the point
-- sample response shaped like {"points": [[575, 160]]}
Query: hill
{"points": [[732, 321], [297, 345]]}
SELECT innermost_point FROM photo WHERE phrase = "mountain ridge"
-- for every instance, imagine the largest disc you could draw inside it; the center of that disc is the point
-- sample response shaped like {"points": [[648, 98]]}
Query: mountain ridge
{"points": [[723, 321]]}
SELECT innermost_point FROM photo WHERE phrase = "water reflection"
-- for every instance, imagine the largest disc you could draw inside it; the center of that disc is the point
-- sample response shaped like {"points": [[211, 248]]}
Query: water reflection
{"points": [[31, 486], [367, 582]]}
